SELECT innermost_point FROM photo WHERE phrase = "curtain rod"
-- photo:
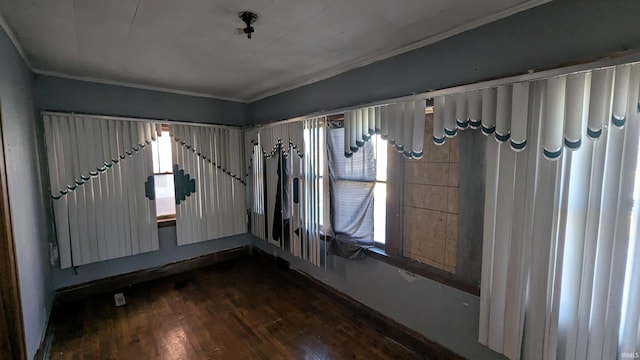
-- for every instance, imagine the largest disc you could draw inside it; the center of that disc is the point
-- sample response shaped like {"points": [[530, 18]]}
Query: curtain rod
{"points": [[629, 56], [126, 118]]}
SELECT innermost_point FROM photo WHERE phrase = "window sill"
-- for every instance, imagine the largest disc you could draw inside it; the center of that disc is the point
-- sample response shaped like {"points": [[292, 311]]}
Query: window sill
{"points": [[166, 222], [423, 270]]}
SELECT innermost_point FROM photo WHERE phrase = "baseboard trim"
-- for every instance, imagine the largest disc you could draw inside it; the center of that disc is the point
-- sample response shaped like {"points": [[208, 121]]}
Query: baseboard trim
{"points": [[44, 350], [109, 284], [409, 338]]}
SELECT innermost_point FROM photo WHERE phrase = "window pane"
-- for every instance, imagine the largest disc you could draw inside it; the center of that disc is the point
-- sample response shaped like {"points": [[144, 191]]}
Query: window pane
{"points": [[156, 155], [164, 152], [379, 212], [381, 158], [165, 195]]}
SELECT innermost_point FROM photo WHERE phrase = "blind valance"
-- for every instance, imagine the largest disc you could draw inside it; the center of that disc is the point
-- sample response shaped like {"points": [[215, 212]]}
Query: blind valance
{"points": [[402, 124], [97, 173], [81, 147], [272, 138], [599, 96]]}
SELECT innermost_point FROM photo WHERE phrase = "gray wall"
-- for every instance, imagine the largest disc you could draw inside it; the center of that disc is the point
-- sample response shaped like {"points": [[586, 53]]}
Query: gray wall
{"points": [[24, 156], [443, 314], [560, 32], [555, 33], [58, 94], [169, 252]]}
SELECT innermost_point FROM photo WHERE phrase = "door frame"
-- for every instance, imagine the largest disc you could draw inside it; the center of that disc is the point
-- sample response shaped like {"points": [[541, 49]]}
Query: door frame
{"points": [[9, 283]]}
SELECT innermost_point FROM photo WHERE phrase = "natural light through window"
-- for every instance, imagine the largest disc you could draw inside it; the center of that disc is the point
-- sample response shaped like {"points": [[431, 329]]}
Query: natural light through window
{"points": [[633, 242], [163, 173], [380, 190]]}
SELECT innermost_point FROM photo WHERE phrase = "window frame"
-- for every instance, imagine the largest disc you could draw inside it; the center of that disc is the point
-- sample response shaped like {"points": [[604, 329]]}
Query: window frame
{"points": [[378, 142], [167, 219], [392, 251], [395, 215]]}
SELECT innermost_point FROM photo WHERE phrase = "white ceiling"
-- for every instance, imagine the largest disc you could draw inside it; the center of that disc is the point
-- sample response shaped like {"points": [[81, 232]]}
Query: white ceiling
{"points": [[194, 45]]}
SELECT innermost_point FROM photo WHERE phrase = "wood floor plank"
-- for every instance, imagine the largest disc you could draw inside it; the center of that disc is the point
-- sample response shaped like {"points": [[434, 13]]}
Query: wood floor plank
{"points": [[243, 309]]}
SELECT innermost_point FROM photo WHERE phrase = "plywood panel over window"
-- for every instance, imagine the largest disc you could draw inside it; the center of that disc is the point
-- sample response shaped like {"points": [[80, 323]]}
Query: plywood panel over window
{"points": [[430, 203]]}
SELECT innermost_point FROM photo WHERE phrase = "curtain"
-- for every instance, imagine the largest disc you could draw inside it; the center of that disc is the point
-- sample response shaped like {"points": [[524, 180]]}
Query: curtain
{"points": [[351, 180], [99, 171], [402, 124], [287, 164], [209, 182], [560, 276]]}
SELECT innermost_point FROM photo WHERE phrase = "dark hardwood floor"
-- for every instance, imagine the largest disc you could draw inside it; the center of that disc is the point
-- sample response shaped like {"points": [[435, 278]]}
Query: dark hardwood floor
{"points": [[243, 309]]}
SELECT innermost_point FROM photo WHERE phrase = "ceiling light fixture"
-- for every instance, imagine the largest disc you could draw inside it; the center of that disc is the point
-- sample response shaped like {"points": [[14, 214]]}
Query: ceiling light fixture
{"points": [[249, 18]]}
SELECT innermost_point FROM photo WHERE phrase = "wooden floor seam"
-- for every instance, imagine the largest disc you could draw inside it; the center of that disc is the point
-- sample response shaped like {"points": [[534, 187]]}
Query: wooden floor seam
{"points": [[239, 309]]}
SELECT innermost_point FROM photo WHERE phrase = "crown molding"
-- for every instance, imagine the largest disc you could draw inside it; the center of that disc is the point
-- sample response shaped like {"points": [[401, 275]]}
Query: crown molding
{"points": [[135, 85], [351, 65], [14, 40], [413, 46]]}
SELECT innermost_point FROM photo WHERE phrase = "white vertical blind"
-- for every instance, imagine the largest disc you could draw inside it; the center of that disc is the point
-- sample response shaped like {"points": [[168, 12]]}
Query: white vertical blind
{"points": [[576, 109], [309, 215], [559, 276], [407, 127], [348, 152], [450, 127], [438, 120], [503, 113], [315, 203], [256, 179], [97, 172], [209, 181], [462, 111], [475, 109], [553, 121], [489, 98], [599, 101], [402, 124], [620, 95], [417, 132], [519, 116], [630, 322]]}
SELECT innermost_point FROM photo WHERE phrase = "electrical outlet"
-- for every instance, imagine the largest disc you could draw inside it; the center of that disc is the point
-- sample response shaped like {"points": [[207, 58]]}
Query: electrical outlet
{"points": [[119, 299]]}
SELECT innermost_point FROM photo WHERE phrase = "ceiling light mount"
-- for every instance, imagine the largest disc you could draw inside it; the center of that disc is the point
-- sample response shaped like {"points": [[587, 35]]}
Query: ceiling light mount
{"points": [[249, 18]]}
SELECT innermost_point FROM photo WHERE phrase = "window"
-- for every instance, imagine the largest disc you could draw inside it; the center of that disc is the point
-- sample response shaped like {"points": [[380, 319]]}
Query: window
{"points": [[163, 174], [380, 191], [630, 287], [358, 191]]}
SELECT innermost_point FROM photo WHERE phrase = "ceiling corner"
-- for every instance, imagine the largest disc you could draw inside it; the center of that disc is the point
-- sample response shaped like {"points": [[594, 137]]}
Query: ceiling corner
{"points": [[413, 46], [138, 86], [14, 40]]}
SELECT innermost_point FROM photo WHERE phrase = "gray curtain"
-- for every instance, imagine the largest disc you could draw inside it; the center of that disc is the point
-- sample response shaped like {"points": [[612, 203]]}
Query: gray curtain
{"points": [[351, 183]]}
